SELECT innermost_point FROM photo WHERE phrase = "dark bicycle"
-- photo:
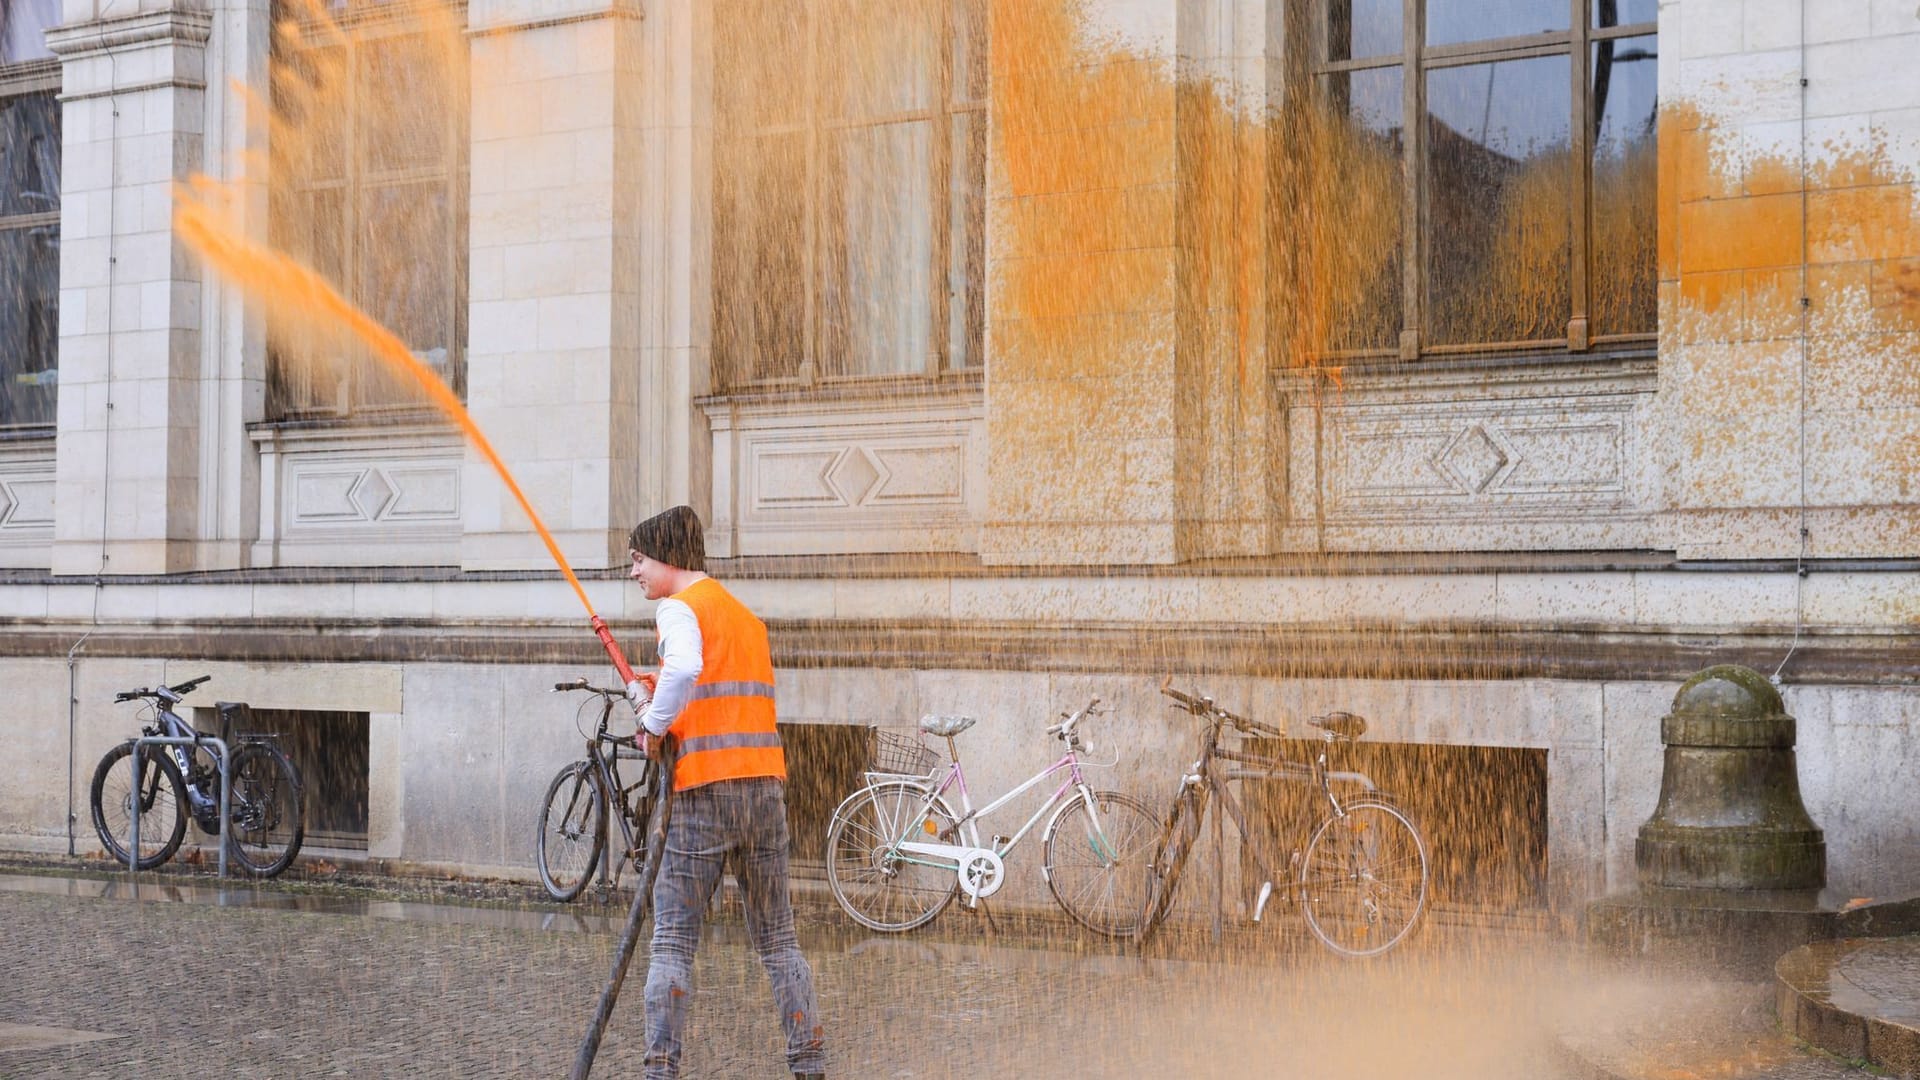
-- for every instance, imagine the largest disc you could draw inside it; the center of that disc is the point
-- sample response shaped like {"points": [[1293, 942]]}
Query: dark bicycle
{"points": [[1361, 876], [572, 840], [266, 807]]}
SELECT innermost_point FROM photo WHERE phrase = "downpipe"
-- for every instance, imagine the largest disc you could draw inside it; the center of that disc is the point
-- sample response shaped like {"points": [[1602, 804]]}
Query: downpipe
{"points": [[73, 707]]}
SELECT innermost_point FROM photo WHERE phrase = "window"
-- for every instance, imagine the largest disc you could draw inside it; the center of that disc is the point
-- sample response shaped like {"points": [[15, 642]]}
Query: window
{"points": [[848, 193], [369, 161], [29, 214], [1521, 216]]}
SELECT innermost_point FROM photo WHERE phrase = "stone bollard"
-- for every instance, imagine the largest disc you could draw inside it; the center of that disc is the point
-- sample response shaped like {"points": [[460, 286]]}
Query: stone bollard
{"points": [[1730, 815]]}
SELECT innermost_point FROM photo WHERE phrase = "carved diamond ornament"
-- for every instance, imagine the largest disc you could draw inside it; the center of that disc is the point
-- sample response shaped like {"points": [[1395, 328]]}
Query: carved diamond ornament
{"points": [[853, 476], [1474, 458], [6, 503], [372, 494]]}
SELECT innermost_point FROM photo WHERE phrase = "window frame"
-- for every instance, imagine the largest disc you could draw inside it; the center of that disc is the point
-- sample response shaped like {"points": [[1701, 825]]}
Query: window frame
{"points": [[1414, 61], [41, 75], [372, 23], [817, 125]]}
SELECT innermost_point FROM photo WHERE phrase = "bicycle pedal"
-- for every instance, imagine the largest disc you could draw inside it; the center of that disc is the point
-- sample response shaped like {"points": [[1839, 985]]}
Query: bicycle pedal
{"points": [[1260, 905]]}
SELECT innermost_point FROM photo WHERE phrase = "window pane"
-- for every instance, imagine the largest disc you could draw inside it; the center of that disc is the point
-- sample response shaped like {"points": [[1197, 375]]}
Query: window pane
{"points": [[29, 154], [405, 265], [29, 323], [970, 50], [877, 59], [749, 91], [1362, 28], [1624, 12], [1625, 105], [759, 214], [875, 260], [307, 372], [966, 257], [1450, 22], [403, 106], [1363, 284], [29, 257], [23, 29], [1498, 201], [310, 100]]}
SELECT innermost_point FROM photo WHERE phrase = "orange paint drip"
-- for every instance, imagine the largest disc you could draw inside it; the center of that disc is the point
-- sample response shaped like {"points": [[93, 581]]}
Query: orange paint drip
{"points": [[283, 283]]}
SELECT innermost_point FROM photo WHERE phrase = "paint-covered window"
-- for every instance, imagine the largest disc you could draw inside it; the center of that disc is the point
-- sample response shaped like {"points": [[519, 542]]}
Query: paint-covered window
{"points": [[848, 189], [368, 158], [29, 214], [1497, 159]]}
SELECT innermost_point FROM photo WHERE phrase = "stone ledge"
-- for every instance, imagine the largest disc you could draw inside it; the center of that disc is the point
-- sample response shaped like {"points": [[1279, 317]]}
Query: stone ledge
{"points": [[1858, 1000], [1357, 652]]}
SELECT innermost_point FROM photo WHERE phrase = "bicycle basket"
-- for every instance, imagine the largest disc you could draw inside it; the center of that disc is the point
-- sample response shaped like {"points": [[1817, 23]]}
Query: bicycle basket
{"points": [[901, 755]]}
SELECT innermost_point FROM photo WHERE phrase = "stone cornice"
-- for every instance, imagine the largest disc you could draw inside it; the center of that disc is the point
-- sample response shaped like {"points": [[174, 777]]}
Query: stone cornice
{"points": [[81, 40], [1451, 654]]}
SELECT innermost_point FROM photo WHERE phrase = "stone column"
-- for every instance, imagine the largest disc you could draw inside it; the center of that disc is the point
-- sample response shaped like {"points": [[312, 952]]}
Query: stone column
{"points": [[554, 360], [128, 458], [1127, 269]]}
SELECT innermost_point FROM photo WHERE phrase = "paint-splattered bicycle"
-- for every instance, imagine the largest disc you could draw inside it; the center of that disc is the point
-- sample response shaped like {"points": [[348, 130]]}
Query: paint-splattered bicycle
{"points": [[897, 853], [1361, 876]]}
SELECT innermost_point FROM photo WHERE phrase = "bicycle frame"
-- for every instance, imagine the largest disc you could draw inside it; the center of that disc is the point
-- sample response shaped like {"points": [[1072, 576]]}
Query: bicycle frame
{"points": [[605, 752], [200, 803], [1215, 780], [951, 856]]}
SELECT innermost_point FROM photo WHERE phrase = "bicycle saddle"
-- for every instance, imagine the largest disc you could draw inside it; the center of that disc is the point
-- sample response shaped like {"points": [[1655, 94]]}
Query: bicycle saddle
{"points": [[945, 726], [1344, 724]]}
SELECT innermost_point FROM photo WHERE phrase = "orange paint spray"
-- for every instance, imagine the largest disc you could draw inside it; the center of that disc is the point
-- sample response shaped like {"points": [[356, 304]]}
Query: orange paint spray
{"points": [[275, 277]]}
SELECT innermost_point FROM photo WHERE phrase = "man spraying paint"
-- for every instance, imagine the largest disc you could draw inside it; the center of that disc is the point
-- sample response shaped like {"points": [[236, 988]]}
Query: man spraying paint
{"points": [[714, 692]]}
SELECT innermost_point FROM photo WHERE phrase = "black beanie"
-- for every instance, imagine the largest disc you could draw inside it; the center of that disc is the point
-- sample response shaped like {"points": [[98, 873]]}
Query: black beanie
{"points": [[673, 537]]}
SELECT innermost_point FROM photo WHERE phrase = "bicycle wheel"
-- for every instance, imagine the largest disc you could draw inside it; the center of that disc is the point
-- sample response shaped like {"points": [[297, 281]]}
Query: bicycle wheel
{"points": [[573, 826], [878, 885], [1363, 880], [1097, 859], [1173, 847], [163, 799], [266, 810]]}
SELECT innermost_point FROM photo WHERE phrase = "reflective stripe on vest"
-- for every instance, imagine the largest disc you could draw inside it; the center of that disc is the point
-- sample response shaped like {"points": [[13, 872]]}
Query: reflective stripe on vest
{"points": [[727, 731]]}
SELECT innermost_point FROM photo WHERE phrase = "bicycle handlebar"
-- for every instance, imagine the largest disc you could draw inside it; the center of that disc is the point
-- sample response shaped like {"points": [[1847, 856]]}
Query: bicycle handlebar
{"points": [[1204, 706], [1066, 726], [176, 691], [581, 684]]}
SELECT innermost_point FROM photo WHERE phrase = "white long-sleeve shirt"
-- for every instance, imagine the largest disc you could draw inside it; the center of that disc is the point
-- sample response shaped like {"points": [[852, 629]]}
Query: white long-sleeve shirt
{"points": [[681, 653]]}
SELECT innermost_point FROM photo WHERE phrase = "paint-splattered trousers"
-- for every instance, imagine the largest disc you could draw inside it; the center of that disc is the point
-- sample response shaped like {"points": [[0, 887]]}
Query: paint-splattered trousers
{"points": [[739, 825]]}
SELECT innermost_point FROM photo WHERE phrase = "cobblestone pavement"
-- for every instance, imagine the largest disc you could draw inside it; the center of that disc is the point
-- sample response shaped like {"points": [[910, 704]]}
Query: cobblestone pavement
{"points": [[198, 990]]}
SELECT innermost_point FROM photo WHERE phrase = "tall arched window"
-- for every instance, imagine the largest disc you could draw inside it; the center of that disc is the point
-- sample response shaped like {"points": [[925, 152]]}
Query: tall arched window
{"points": [[848, 189], [369, 165]]}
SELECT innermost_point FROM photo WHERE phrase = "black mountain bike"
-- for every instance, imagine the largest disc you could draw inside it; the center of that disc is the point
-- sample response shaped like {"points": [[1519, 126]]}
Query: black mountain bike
{"points": [[572, 840], [266, 808], [1360, 876]]}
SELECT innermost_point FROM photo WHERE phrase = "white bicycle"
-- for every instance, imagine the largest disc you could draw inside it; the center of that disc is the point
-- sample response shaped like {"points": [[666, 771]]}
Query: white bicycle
{"points": [[897, 854]]}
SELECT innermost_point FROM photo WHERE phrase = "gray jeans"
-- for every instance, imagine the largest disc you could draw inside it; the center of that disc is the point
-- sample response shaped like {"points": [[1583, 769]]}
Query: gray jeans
{"points": [[739, 825]]}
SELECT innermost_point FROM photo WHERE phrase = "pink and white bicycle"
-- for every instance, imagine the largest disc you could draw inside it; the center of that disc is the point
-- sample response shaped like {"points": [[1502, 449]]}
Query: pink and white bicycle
{"points": [[898, 854]]}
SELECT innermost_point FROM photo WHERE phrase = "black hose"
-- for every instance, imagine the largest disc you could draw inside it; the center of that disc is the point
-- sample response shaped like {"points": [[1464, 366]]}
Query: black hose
{"points": [[642, 897]]}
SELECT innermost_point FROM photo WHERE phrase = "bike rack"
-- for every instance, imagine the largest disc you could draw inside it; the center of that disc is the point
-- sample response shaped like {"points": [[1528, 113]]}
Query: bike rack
{"points": [[133, 798]]}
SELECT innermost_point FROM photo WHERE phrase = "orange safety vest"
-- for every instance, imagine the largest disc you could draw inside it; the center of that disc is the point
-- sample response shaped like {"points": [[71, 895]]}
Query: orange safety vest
{"points": [[726, 731]]}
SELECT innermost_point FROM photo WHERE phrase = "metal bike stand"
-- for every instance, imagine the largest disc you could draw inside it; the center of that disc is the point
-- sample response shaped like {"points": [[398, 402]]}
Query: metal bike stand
{"points": [[133, 798]]}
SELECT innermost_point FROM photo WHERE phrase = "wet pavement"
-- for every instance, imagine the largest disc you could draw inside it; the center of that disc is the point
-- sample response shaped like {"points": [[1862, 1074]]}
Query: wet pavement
{"points": [[190, 980]]}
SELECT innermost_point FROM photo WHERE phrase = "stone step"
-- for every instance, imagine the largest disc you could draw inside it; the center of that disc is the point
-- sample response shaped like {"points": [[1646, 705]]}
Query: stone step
{"points": [[1857, 999]]}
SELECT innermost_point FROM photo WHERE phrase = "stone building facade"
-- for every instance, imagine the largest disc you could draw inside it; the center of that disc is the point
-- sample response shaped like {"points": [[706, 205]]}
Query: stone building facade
{"points": [[1481, 369]]}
